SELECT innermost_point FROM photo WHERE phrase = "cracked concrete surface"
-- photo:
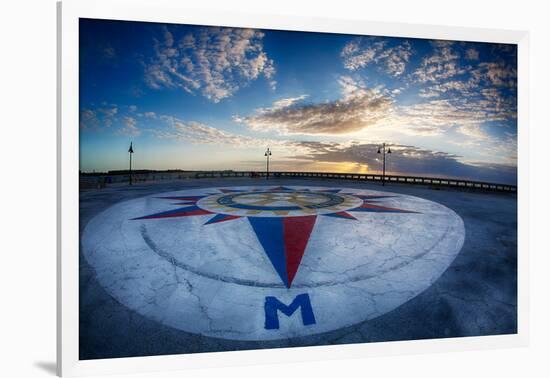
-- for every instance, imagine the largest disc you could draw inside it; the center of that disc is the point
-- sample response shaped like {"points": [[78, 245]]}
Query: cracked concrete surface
{"points": [[476, 295]]}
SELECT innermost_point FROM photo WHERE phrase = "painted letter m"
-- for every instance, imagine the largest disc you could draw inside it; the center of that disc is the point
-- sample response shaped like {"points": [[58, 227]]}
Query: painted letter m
{"points": [[273, 305]]}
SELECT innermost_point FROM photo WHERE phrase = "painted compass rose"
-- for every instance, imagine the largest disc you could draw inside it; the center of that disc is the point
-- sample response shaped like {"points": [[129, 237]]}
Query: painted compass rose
{"points": [[271, 262], [282, 218]]}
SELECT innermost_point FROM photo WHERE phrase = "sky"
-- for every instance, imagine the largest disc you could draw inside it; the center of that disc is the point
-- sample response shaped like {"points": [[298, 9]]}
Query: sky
{"points": [[212, 98]]}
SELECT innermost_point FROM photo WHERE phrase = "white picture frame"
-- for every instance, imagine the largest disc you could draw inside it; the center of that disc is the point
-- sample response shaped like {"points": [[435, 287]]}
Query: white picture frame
{"points": [[167, 11]]}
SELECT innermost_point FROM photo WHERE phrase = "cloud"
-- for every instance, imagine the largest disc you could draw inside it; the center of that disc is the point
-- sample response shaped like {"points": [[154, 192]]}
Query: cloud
{"points": [[408, 160], [439, 116], [88, 118], [362, 156], [97, 118], [463, 99], [497, 74], [215, 62], [200, 133], [364, 51], [444, 72], [150, 115], [442, 64], [109, 53], [464, 87], [130, 128], [286, 102], [119, 119], [359, 107], [472, 54], [464, 111]]}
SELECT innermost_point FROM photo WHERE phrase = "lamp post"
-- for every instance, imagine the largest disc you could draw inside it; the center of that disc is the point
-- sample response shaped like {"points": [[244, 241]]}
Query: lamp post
{"points": [[267, 155], [130, 152], [383, 152]]}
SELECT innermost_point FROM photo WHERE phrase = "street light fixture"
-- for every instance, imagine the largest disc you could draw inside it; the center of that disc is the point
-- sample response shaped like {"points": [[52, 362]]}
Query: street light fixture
{"points": [[383, 151], [130, 152], [267, 155]]}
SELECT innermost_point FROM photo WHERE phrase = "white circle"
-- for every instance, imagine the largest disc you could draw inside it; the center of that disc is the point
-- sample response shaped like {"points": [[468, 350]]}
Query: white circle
{"points": [[213, 279]]}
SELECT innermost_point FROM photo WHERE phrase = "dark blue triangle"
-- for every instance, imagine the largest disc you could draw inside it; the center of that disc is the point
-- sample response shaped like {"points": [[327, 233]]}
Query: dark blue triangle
{"points": [[340, 215], [218, 218], [330, 191], [270, 233], [371, 197], [181, 211], [232, 190]]}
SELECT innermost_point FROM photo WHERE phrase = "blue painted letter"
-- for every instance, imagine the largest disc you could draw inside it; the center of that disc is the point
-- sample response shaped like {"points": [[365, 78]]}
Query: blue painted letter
{"points": [[272, 305]]}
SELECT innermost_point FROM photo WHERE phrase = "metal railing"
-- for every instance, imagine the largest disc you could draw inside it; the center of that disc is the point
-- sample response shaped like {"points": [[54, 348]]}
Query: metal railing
{"points": [[431, 181], [104, 180]]}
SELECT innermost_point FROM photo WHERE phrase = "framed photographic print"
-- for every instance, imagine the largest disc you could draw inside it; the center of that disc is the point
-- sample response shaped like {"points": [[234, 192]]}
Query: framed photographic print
{"points": [[239, 189]]}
